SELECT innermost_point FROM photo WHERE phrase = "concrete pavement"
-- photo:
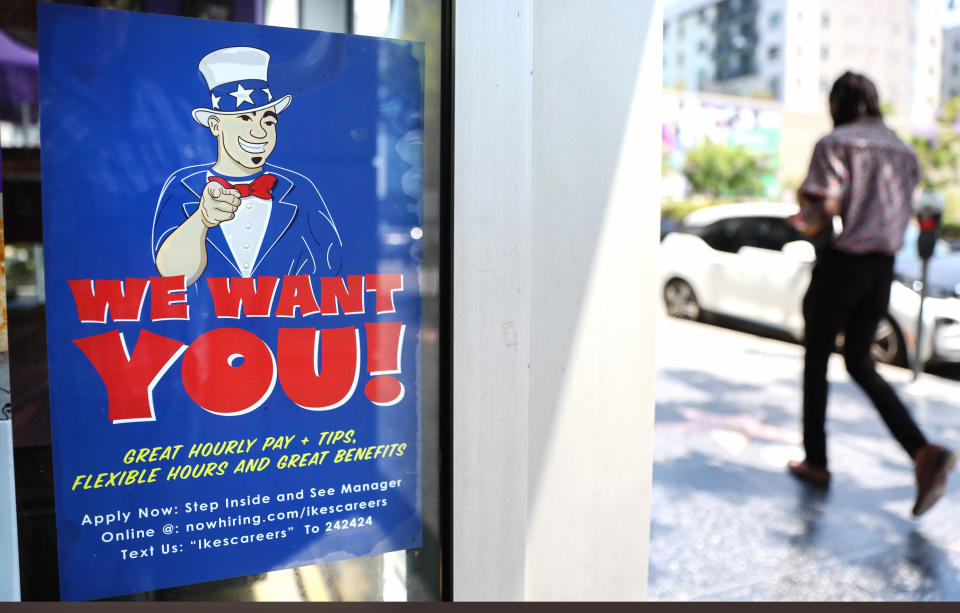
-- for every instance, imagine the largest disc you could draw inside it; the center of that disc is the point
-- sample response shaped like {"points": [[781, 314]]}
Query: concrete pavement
{"points": [[728, 522]]}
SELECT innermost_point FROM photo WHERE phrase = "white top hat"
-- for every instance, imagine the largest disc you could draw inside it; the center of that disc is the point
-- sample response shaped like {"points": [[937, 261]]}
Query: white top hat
{"points": [[237, 80]]}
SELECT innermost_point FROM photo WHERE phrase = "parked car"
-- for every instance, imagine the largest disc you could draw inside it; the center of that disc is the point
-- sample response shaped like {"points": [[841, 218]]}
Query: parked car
{"points": [[746, 261]]}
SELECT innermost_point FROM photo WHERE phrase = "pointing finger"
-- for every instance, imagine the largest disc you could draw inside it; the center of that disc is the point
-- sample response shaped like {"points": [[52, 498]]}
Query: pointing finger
{"points": [[223, 206], [229, 195]]}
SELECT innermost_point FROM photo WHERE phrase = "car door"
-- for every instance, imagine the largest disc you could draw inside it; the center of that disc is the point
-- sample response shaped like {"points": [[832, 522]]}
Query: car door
{"points": [[728, 273], [773, 277]]}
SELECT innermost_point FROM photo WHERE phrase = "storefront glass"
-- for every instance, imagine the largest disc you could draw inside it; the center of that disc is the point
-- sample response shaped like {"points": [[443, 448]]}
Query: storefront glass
{"points": [[406, 574]]}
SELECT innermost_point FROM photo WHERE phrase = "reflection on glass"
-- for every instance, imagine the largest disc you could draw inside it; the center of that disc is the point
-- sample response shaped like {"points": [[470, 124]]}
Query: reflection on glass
{"points": [[395, 576], [24, 274]]}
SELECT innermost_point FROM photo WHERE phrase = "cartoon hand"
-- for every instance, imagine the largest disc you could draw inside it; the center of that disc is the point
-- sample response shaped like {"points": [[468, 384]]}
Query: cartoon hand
{"points": [[217, 204]]}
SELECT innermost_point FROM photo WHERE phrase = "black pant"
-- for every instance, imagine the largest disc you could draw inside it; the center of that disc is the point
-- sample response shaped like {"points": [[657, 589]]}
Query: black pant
{"points": [[848, 293]]}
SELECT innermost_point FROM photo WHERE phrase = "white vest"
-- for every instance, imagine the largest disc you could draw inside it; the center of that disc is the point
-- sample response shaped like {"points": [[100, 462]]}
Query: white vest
{"points": [[245, 232]]}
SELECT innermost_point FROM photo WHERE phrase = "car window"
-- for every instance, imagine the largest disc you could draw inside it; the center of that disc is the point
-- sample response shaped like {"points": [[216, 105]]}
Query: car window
{"points": [[723, 235], [767, 233]]}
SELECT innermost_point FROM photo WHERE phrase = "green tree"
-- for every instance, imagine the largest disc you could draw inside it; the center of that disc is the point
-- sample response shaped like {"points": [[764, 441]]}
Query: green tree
{"points": [[718, 170], [939, 149]]}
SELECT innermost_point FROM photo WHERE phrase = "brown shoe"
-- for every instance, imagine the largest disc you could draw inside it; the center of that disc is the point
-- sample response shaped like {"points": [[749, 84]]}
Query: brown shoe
{"points": [[932, 463], [809, 473]]}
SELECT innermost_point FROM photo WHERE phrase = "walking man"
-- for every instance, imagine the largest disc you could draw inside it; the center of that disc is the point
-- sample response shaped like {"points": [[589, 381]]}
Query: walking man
{"points": [[863, 173]]}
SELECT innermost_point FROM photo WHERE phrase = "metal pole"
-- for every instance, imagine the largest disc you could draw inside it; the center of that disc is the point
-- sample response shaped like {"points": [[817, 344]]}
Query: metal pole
{"points": [[918, 354]]}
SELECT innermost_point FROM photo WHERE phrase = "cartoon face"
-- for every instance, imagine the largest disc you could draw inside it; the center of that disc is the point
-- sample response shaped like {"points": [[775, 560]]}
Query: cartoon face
{"points": [[247, 139]]}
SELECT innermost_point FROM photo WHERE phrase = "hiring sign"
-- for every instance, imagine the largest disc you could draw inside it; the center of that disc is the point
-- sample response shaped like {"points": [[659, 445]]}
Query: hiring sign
{"points": [[232, 222]]}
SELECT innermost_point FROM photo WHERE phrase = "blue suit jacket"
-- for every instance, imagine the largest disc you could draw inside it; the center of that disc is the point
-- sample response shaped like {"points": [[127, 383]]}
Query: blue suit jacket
{"points": [[301, 237]]}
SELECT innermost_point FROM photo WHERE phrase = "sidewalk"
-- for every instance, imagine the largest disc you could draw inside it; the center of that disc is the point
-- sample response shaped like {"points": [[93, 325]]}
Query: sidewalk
{"points": [[728, 522]]}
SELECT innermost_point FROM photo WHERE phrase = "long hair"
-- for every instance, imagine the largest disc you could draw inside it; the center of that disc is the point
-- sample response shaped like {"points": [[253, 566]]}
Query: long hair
{"points": [[853, 97]]}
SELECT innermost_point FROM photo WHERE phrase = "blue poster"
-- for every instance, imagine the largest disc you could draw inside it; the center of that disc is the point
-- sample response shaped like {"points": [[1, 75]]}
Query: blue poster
{"points": [[232, 233]]}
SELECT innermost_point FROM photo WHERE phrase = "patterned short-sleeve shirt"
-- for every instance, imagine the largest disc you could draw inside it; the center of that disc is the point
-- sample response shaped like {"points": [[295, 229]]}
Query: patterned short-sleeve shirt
{"points": [[874, 173]]}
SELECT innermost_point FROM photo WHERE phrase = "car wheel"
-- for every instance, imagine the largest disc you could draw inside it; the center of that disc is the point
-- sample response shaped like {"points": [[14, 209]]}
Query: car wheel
{"points": [[681, 301], [888, 345]]}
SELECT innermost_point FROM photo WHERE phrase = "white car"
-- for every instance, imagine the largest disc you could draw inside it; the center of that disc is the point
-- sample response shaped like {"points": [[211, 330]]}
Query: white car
{"points": [[747, 262]]}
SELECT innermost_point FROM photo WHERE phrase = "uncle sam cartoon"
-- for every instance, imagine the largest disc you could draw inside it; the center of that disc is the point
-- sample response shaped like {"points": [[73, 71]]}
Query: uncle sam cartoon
{"points": [[241, 216]]}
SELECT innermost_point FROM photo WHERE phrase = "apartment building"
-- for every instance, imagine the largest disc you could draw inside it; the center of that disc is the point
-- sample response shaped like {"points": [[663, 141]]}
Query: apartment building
{"points": [[793, 50], [950, 86]]}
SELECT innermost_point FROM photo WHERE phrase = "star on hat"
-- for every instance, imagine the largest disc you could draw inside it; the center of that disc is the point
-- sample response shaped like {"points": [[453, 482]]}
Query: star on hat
{"points": [[242, 95], [240, 72]]}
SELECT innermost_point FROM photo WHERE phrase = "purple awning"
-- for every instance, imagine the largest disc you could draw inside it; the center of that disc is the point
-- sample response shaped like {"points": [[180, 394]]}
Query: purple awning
{"points": [[18, 78]]}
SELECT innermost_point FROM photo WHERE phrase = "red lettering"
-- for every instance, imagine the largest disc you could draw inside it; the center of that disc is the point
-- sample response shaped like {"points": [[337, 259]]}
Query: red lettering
{"points": [[164, 306], [253, 296], [297, 292], [229, 371], [130, 379], [384, 286], [95, 298], [384, 391], [327, 387], [384, 344], [336, 294]]}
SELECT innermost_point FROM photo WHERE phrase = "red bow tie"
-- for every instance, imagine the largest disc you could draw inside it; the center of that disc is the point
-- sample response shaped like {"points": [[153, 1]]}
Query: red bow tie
{"points": [[261, 187]]}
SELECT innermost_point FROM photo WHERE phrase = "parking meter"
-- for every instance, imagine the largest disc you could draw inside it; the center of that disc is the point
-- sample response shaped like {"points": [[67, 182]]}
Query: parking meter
{"points": [[929, 211]]}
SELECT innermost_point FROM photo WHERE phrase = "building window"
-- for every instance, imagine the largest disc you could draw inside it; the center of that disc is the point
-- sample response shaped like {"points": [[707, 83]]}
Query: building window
{"points": [[825, 21], [702, 46], [680, 32], [702, 16], [774, 20], [774, 86], [773, 53], [954, 69], [680, 60], [824, 52]]}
